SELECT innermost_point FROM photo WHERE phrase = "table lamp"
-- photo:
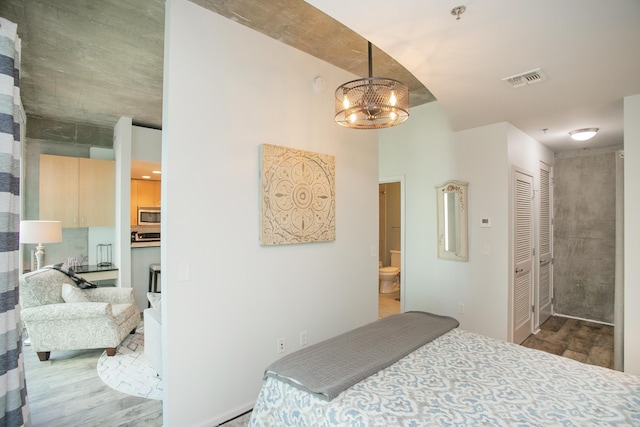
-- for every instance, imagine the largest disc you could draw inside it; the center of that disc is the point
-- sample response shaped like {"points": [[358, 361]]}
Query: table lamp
{"points": [[40, 232]]}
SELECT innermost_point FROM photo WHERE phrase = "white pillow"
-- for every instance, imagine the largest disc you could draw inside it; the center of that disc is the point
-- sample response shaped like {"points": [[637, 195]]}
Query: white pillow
{"points": [[71, 293], [155, 298]]}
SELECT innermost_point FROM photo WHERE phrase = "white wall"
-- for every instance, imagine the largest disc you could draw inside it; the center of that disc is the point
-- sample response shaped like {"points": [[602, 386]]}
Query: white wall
{"points": [[632, 234], [139, 143], [146, 144], [483, 162], [428, 153], [122, 245], [226, 299]]}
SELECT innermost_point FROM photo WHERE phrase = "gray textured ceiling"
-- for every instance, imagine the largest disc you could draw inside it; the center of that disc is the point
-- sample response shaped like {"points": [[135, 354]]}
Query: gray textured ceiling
{"points": [[92, 62]]}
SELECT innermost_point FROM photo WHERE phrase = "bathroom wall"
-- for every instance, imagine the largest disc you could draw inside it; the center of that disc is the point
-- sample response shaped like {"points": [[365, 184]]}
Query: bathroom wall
{"points": [[584, 233], [389, 220]]}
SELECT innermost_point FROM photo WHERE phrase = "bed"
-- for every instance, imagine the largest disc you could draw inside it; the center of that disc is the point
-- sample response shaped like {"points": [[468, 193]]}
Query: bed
{"points": [[457, 378]]}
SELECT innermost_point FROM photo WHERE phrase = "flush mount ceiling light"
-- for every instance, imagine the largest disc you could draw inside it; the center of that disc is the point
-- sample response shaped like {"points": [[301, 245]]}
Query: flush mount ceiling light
{"points": [[372, 103], [583, 134]]}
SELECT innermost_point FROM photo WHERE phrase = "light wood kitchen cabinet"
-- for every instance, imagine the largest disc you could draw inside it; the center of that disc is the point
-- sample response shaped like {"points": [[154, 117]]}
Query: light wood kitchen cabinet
{"points": [[148, 193], [79, 192], [143, 193], [133, 206]]}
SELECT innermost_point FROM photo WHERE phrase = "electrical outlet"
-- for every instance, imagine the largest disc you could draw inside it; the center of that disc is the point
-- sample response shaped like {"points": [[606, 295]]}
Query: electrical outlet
{"points": [[303, 338], [461, 308], [281, 347]]}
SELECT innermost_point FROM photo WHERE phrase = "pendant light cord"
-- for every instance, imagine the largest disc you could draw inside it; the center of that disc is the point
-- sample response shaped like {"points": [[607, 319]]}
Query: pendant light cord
{"points": [[370, 61]]}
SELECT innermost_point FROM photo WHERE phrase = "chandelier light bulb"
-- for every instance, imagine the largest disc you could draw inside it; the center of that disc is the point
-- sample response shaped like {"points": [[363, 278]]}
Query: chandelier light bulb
{"points": [[371, 102], [393, 98]]}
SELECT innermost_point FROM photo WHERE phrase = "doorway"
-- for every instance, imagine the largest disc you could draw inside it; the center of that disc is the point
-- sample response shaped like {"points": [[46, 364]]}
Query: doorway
{"points": [[391, 234]]}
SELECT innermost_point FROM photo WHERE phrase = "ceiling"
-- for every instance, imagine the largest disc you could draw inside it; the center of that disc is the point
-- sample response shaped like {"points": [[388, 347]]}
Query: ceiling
{"points": [[146, 170], [102, 60], [588, 50]]}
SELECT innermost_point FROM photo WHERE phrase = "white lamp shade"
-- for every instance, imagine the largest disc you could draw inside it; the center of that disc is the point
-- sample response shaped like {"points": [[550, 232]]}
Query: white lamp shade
{"points": [[40, 231]]}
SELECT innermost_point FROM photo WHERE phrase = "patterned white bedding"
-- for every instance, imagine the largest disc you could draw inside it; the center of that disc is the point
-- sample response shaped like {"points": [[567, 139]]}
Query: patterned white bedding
{"points": [[464, 379]]}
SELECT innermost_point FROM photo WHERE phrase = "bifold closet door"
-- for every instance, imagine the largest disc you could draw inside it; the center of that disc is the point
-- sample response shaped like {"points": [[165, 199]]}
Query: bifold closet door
{"points": [[522, 257]]}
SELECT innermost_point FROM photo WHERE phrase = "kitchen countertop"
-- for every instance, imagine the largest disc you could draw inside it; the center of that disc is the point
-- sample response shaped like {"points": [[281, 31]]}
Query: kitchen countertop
{"points": [[93, 268], [144, 244]]}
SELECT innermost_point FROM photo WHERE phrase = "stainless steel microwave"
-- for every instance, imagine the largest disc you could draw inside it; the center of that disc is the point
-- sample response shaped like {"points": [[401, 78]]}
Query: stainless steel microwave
{"points": [[148, 216]]}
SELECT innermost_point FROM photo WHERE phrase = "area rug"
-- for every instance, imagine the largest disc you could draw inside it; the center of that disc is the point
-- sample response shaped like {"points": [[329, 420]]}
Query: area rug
{"points": [[128, 371], [240, 421]]}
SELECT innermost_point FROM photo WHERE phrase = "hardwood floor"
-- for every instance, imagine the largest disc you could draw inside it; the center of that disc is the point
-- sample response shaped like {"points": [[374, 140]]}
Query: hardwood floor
{"points": [[67, 391]]}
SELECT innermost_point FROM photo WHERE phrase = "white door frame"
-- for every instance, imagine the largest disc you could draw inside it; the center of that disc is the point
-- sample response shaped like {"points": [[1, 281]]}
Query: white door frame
{"points": [[540, 315], [403, 270]]}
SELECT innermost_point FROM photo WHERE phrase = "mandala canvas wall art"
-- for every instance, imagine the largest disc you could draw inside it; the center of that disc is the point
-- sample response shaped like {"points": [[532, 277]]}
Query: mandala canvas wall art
{"points": [[298, 196]]}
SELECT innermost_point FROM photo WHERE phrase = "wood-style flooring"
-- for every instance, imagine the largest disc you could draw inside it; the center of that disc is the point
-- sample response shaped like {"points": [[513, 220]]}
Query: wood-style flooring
{"points": [[66, 391], [587, 342]]}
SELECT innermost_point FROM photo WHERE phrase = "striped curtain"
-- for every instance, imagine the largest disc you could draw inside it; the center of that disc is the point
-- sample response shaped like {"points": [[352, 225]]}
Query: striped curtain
{"points": [[14, 408]]}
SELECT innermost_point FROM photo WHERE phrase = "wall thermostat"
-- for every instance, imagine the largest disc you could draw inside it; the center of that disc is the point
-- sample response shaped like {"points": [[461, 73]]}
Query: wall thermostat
{"points": [[485, 222]]}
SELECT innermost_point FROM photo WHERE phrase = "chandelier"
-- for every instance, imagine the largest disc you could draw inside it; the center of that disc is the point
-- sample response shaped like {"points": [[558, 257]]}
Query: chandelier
{"points": [[372, 103]]}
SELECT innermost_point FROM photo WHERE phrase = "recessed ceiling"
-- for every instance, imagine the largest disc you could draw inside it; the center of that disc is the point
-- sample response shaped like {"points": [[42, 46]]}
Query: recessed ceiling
{"points": [[141, 169]]}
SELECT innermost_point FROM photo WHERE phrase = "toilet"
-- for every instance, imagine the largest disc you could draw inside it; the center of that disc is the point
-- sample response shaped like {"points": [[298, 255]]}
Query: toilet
{"points": [[389, 276]]}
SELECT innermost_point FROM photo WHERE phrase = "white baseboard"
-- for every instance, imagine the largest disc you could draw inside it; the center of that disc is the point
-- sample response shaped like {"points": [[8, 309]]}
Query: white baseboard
{"points": [[584, 320]]}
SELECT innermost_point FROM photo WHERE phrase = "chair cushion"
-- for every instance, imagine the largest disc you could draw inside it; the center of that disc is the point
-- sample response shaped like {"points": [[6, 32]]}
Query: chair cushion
{"points": [[71, 293], [41, 287], [122, 312]]}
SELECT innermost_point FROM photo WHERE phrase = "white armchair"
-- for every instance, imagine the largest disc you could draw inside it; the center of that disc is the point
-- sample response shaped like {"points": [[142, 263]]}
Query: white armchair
{"points": [[102, 320]]}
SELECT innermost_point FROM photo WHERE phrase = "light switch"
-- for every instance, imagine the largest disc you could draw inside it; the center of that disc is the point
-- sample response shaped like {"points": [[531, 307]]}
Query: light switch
{"points": [[485, 222]]}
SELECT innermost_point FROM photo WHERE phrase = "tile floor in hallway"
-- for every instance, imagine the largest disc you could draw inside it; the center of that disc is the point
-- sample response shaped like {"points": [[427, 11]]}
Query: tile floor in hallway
{"points": [[387, 304], [587, 342]]}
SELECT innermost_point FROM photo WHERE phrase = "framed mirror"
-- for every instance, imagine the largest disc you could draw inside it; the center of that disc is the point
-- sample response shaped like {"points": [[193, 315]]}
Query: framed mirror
{"points": [[452, 221]]}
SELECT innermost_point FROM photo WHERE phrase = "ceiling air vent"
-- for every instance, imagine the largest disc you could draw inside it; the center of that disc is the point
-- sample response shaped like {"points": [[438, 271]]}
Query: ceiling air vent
{"points": [[526, 78]]}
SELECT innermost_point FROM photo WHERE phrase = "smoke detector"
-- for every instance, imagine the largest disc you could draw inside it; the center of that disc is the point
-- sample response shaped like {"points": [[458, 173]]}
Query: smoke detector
{"points": [[526, 78]]}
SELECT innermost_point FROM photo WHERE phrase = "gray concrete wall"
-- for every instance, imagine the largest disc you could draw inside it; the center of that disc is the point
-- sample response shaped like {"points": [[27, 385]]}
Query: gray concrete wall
{"points": [[584, 235]]}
